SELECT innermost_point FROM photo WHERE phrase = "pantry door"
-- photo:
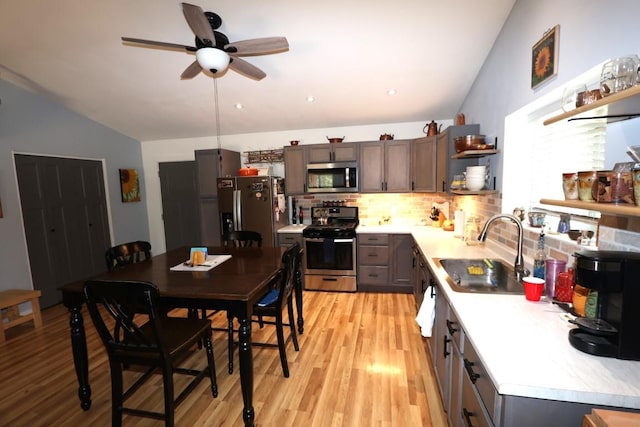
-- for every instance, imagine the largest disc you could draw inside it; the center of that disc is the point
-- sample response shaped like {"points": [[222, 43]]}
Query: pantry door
{"points": [[64, 212], [178, 187]]}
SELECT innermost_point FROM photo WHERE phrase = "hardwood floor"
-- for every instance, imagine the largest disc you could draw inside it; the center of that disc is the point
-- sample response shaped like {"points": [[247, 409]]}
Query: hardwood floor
{"points": [[362, 362]]}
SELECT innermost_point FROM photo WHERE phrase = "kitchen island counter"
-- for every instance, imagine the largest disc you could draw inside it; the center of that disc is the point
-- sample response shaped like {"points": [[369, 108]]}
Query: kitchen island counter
{"points": [[524, 345]]}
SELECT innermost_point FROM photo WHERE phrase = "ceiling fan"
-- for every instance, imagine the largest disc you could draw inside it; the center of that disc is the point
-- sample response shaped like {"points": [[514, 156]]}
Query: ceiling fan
{"points": [[212, 48]]}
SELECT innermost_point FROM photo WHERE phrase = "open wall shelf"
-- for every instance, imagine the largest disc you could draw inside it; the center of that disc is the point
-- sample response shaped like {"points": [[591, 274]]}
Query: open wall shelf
{"points": [[616, 107]]}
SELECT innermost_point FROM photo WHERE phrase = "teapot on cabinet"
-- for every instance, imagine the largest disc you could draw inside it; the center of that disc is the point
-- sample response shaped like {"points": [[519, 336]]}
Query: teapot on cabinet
{"points": [[432, 128]]}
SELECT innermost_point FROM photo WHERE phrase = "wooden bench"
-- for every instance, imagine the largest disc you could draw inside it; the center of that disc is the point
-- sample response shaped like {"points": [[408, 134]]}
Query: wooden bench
{"points": [[10, 300]]}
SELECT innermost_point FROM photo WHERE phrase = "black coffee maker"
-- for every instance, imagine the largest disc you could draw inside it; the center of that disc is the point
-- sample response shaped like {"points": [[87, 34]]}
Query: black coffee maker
{"points": [[613, 280]]}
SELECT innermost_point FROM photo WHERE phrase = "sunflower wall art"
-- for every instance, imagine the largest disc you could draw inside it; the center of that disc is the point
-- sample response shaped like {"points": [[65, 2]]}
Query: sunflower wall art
{"points": [[544, 58], [129, 185]]}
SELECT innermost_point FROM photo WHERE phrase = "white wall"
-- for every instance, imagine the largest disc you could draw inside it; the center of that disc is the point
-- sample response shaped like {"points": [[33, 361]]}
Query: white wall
{"points": [[154, 152]]}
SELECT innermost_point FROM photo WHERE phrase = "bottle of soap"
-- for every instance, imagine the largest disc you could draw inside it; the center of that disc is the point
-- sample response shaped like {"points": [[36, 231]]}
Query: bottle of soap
{"points": [[539, 258]]}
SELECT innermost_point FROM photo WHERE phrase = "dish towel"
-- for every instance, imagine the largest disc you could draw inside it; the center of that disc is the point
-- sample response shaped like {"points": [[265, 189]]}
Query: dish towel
{"points": [[426, 314], [329, 249]]}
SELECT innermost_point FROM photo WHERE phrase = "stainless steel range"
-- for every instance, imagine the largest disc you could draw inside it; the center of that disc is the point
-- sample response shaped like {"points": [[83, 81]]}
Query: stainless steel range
{"points": [[330, 249]]}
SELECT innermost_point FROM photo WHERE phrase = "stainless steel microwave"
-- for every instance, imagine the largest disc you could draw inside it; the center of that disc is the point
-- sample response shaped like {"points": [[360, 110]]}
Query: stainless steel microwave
{"points": [[339, 177]]}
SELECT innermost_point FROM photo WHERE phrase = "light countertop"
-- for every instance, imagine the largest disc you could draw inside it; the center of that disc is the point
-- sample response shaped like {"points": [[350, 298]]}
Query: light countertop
{"points": [[524, 345], [296, 228]]}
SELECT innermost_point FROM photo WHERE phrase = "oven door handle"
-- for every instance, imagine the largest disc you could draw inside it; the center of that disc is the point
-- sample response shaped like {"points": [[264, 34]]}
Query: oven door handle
{"points": [[322, 239]]}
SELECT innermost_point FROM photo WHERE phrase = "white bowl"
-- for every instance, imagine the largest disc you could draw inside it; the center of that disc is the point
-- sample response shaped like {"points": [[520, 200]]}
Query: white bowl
{"points": [[474, 186], [481, 178]]}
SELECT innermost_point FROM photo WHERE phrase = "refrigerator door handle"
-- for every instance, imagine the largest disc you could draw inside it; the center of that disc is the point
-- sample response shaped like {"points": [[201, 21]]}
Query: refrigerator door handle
{"points": [[238, 209]]}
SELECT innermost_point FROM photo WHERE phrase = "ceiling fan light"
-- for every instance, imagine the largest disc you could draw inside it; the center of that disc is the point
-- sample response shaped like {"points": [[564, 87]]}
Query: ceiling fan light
{"points": [[212, 59]]}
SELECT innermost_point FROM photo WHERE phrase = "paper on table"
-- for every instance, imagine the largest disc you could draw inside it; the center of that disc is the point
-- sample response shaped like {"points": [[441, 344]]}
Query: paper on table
{"points": [[211, 262]]}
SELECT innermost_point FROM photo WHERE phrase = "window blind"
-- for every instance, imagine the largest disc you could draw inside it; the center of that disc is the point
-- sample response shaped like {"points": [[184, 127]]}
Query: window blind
{"points": [[542, 154]]}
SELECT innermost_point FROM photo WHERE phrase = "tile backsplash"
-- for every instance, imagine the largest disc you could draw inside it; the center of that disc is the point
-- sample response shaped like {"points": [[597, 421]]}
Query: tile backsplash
{"points": [[414, 209]]}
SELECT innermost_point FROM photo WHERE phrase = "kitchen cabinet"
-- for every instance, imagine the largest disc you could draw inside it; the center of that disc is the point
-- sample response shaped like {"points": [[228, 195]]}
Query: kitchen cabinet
{"points": [[373, 262], [401, 252], [420, 275], [211, 165], [441, 347], [456, 373], [468, 394], [423, 164], [384, 262], [289, 239], [385, 166], [449, 163], [329, 153], [295, 167]]}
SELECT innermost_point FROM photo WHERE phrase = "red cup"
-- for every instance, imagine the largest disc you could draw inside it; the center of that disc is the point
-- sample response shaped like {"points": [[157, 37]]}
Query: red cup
{"points": [[533, 288]]}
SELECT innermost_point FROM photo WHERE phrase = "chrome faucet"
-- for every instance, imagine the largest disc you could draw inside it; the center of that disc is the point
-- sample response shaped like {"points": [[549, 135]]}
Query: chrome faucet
{"points": [[518, 266]]}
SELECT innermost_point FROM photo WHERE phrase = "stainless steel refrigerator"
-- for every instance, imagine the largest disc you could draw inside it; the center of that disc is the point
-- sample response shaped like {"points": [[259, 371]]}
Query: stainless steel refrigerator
{"points": [[255, 203]]}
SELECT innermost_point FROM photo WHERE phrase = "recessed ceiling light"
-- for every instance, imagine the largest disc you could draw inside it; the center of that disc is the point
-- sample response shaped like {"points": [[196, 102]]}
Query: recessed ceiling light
{"points": [[310, 98], [391, 92], [239, 106]]}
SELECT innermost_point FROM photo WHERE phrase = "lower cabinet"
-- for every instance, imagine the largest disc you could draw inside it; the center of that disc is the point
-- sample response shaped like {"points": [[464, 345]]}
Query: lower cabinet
{"points": [[468, 394], [420, 275], [447, 352], [289, 239], [385, 262]]}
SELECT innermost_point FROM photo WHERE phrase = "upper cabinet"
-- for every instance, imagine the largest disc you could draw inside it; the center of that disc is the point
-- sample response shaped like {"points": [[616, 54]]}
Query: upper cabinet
{"points": [[329, 153], [212, 164], [619, 106], [295, 164], [385, 166], [423, 164]]}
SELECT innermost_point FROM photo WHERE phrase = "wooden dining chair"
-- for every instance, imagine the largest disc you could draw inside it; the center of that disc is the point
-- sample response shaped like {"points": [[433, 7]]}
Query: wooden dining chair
{"points": [[155, 341], [127, 253], [273, 304], [242, 238]]}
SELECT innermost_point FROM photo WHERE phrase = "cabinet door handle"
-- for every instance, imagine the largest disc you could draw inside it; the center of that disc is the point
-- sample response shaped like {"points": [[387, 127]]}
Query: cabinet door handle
{"points": [[444, 186], [446, 341], [433, 290], [468, 365], [450, 327], [467, 417]]}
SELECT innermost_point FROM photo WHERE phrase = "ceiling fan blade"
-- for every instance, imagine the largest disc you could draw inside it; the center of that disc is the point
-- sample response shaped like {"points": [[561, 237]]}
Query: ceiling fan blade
{"points": [[191, 71], [243, 67], [262, 46], [159, 44], [199, 23]]}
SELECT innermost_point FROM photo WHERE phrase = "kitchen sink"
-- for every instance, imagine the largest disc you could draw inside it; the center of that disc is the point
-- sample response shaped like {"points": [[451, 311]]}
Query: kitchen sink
{"points": [[480, 275]]}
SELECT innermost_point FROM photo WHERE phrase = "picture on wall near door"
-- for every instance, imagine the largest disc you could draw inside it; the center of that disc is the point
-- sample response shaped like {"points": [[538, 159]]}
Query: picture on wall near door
{"points": [[544, 57], [129, 185]]}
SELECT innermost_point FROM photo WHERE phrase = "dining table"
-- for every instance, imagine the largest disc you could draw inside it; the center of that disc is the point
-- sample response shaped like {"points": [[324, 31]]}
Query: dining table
{"points": [[235, 285]]}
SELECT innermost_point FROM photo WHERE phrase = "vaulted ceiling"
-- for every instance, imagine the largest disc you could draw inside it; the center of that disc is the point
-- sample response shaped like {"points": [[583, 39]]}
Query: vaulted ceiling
{"points": [[346, 54]]}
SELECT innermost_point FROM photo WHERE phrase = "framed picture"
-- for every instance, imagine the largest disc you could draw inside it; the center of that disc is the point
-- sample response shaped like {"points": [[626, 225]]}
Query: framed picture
{"points": [[544, 57], [129, 185]]}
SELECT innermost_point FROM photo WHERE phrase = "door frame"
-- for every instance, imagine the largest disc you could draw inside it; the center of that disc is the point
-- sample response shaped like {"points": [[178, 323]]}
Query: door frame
{"points": [[17, 189]]}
